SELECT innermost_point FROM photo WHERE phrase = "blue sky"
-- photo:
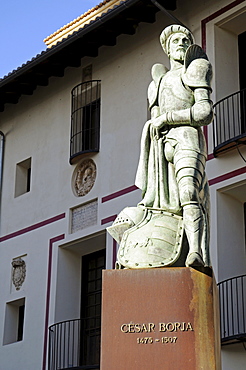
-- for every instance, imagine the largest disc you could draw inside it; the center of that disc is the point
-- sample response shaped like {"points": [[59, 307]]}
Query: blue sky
{"points": [[25, 23]]}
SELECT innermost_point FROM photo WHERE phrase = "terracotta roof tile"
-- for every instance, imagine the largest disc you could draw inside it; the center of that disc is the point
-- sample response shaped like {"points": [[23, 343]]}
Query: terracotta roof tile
{"points": [[80, 22]]}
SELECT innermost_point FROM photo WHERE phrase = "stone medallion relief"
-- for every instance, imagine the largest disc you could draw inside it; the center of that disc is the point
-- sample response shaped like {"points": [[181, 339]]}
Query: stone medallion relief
{"points": [[84, 177]]}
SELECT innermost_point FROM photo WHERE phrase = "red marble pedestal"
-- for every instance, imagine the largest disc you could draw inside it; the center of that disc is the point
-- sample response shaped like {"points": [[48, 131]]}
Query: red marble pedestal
{"points": [[164, 318]]}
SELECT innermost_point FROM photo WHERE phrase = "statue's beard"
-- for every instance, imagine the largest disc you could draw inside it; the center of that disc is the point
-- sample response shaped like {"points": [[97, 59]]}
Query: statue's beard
{"points": [[178, 55]]}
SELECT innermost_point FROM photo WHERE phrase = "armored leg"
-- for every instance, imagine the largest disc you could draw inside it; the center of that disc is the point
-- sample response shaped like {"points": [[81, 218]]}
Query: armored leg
{"points": [[194, 223], [189, 173]]}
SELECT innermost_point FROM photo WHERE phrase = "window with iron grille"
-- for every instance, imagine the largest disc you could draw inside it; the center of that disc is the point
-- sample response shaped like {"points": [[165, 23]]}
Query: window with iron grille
{"points": [[85, 119]]}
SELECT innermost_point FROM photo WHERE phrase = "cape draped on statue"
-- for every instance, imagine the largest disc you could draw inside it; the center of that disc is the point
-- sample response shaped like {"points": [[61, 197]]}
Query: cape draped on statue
{"points": [[155, 175]]}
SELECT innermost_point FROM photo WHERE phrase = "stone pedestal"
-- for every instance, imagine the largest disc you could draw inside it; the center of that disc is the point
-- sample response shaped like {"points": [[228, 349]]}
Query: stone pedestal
{"points": [[164, 318]]}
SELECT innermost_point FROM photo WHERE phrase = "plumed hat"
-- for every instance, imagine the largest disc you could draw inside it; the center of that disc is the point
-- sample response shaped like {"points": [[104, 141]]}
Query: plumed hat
{"points": [[169, 31]]}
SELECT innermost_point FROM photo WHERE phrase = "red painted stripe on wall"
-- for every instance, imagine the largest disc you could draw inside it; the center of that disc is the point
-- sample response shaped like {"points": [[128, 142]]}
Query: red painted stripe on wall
{"points": [[210, 156], [33, 227], [119, 193], [108, 219], [227, 176], [47, 309]]}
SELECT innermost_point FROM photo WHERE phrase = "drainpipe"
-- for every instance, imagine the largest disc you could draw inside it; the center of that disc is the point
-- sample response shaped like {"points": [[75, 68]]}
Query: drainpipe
{"points": [[176, 20], [2, 140]]}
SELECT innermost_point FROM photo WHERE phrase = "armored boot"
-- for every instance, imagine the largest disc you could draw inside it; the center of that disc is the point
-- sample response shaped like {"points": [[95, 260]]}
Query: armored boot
{"points": [[193, 225]]}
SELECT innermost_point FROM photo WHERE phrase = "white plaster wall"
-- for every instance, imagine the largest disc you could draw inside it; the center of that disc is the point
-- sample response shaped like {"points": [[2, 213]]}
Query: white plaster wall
{"points": [[225, 163], [231, 235], [213, 233], [227, 69], [68, 287], [233, 357], [227, 242]]}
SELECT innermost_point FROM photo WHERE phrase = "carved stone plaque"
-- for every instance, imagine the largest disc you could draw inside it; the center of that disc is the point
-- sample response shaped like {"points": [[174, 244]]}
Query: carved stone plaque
{"points": [[84, 216], [18, 272], [84, 177]]}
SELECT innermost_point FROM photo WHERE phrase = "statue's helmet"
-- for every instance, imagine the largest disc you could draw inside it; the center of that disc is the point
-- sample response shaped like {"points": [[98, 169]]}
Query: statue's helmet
{"points": [[169, 31]]}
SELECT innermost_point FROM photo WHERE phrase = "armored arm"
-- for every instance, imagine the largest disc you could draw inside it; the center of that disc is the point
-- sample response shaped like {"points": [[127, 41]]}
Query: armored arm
{"points": [[202, 110], [200, 114]]}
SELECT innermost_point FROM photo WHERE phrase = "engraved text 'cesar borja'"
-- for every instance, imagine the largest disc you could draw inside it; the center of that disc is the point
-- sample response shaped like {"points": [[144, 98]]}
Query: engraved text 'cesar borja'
{"points": [[152, 328]]}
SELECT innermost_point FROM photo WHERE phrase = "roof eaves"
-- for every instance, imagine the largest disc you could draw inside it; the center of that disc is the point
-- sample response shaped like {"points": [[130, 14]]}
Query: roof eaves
{"points": [[81, 21], [68, 40]]}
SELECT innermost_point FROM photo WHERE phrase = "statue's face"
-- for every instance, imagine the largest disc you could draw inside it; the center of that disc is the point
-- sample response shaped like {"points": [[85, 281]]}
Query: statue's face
{"points": [[178, 44]]}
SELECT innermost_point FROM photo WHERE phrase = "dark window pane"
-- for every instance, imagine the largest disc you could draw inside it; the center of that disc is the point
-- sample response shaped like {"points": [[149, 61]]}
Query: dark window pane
{"points": [[92, 265], [85, 122], [20, 322]]}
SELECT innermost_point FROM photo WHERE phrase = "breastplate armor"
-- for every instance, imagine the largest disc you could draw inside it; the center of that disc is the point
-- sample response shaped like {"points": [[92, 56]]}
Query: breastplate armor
{"points": [[173, 95]]}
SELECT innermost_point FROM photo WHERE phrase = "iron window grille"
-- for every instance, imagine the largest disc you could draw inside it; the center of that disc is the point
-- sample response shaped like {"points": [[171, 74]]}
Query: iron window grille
{"points": [[85, 119]]}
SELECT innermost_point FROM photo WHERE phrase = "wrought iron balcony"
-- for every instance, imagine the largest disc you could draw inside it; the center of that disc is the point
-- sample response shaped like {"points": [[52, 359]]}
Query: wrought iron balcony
{"points": [[232, 294], [75, 344], [229, 126]]}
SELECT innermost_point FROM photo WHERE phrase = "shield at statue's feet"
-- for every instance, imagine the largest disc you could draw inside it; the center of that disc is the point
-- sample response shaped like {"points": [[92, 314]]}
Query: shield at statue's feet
{"points": [[156, 241]]}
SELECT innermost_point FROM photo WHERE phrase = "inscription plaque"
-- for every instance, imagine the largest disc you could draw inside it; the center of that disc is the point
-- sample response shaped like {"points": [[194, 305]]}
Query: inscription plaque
{"points": [[84, 216]]}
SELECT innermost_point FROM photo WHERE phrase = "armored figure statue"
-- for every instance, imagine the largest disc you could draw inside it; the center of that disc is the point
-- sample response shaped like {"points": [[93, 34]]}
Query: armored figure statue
{"points": [[171, 170]]}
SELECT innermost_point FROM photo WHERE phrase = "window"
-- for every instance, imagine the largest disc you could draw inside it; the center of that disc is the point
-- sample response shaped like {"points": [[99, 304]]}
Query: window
{"points": [[21, 311], [23, 177], [14, 321], [85, 119]]}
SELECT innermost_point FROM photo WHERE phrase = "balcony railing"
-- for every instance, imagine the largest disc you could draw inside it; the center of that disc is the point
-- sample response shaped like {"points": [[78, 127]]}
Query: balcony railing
{"points": [[229, 126], [232, 294], [75, 344]]}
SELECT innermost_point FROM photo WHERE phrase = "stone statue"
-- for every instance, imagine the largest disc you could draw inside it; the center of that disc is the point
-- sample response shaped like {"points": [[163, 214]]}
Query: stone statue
{"points": [[171, 170]]}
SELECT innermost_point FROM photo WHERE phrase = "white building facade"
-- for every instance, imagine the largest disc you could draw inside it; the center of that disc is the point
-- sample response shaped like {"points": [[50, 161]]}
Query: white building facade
{"points": [[64, 182]]}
